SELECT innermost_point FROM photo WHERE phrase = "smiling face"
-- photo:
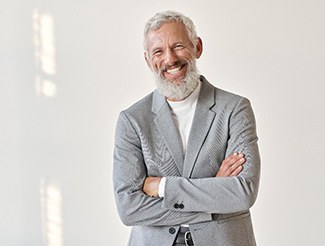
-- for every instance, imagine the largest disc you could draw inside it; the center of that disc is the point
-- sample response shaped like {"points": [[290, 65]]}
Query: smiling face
{"points": [[170, 53]]}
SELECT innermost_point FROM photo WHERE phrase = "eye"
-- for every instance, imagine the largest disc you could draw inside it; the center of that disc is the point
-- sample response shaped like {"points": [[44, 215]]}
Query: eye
{"points": [[157, 52], [179, 47]]}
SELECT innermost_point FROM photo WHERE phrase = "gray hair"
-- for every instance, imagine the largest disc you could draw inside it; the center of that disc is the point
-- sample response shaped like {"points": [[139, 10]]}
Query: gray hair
{"points": [[161, 18]]}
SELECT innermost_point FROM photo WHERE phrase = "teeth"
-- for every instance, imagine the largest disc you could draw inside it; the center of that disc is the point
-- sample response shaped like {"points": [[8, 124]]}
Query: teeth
{"points": [[174, 70]]}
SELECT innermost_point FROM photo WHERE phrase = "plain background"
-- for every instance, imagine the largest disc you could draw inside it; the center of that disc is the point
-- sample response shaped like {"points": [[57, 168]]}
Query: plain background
{"points": [[57, 129]]}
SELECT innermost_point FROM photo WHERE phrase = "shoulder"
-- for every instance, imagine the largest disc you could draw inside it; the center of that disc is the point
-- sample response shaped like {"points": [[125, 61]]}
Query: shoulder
{"points": [[143, 104], [226, 96], [229, 99], [140, 110], [221, 98]]}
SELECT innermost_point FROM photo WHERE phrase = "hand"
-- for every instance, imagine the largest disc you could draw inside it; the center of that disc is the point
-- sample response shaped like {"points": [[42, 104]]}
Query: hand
{"points": [[232, 165], [151, 186]]}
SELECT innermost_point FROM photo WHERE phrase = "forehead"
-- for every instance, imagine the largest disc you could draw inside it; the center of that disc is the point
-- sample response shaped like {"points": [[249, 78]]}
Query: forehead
{"points": [[170, 33]]}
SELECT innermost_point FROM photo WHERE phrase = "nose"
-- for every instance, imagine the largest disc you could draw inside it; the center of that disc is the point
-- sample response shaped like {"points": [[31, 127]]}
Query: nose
{"points": [[170, 57]]}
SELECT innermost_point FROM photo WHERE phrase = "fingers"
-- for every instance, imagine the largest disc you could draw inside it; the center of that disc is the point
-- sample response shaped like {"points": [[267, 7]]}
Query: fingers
{"points": [[232, 165], [236, 161], [237, 171]]}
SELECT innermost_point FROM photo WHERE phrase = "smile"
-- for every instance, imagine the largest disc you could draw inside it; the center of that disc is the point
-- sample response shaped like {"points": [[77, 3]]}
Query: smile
{"points": [[174, 70]]}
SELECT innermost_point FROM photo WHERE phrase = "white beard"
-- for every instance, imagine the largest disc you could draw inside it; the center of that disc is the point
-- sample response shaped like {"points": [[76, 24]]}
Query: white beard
{"points": [[182, 90]]}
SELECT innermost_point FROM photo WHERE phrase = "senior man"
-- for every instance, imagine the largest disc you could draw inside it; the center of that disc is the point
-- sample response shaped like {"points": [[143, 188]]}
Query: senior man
{"points": [[186, 160]]}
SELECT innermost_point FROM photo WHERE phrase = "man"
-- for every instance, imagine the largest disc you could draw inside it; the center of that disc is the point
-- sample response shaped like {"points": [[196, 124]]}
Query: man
{"points": [[186, 161]]}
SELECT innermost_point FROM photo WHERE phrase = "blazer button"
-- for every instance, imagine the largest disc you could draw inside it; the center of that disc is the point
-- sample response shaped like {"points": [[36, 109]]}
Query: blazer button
{"points": [[172, 230], [176, 206], [181, 206]]}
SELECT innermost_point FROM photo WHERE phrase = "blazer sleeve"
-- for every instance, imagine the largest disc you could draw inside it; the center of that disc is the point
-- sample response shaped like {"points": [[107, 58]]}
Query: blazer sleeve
{"points": [[129, 173], [222, 194]]}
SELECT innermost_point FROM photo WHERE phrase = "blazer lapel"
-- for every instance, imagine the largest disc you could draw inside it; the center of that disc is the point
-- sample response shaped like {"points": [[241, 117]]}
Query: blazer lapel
{"points": [[166, 126], [202, 121]]}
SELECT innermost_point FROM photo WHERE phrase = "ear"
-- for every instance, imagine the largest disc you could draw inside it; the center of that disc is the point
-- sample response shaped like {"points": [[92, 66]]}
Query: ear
{"points": [[147, 59], [199, 48]]}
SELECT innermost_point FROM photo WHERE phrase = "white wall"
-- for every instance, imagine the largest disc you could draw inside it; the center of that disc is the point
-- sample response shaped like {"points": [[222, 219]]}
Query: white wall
{"points": [[69, 67]]}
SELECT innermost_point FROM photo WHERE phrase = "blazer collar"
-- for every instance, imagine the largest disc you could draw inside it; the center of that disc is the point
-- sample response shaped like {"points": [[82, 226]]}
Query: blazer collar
{"points": [[167, 128], [207, 93], [158, 102], [202, 121]]}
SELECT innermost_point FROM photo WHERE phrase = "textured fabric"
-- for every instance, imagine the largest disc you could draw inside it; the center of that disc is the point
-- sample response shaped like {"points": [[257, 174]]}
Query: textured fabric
{"points": [[147, 143]]}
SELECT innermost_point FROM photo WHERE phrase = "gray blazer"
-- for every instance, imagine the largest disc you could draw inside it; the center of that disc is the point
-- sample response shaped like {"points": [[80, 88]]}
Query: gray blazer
{"points": [[147, 143]]}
